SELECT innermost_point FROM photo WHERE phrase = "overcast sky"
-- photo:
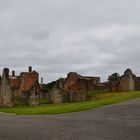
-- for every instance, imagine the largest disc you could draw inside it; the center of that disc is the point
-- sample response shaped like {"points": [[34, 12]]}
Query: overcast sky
{"points": [[91, 37]]}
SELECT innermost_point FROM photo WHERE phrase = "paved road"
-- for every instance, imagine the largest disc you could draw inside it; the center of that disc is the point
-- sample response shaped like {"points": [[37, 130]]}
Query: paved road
{"points": [[113, 122]]}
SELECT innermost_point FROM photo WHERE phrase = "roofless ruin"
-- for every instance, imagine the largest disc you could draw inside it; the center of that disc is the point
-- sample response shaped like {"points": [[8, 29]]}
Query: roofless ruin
{"points": [[74, 88]]}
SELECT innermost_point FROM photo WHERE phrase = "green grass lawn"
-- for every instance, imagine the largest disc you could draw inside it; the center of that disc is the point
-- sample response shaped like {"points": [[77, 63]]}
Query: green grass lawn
{"points": [[98, 101]]}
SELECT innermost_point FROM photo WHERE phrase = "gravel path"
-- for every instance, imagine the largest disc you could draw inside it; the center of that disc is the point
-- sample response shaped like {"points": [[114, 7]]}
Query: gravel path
{"points": [[112, 122]]}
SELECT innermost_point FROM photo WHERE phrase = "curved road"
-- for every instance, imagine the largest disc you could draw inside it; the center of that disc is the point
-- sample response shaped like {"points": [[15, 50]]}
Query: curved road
{"points": [[112, 122]]}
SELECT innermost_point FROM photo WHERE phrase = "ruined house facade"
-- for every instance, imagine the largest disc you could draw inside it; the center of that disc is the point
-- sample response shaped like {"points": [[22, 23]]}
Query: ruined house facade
{"points": [[25, 86], [75, 87]]}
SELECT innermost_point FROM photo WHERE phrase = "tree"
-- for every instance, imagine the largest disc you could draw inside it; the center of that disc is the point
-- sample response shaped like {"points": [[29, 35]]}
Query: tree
{"points": [[114, 77]]}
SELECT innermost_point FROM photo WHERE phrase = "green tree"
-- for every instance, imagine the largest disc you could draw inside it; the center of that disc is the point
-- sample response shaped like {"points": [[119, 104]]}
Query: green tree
{"points": [[114, 77]]}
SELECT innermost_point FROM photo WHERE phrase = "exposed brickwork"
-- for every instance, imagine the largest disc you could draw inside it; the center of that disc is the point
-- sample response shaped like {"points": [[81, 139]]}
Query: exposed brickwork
{"points": [[75, 82], [72, 89], [77, 86], [14, 82], [25, 85], [27, 81]]}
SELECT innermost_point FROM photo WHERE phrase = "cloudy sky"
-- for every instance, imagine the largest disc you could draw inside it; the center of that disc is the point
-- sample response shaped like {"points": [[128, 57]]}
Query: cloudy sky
{"points": [[91, 37]]}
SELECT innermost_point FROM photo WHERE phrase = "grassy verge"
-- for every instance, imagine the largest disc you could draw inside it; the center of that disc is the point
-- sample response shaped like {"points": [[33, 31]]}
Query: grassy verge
{"points": [[99, 100]]}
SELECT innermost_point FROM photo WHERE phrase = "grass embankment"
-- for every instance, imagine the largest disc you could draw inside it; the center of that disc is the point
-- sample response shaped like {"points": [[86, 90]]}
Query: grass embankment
{"points": [[98, 100]]}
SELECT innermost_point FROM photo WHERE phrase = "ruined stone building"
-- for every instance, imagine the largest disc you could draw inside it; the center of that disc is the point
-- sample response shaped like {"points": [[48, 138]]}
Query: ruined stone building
{"points": [[25, 86], [75, 82], [73, 89], [78, 85], [126, 82]]}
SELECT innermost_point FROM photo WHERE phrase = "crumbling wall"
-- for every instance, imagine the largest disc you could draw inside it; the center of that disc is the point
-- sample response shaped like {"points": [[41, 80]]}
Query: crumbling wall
{"points": [[75, 82], [24, 87], [77, 86], [137, 83], [71, 82], [6, 95], [127, 82], [33, 94], [56, 96]]}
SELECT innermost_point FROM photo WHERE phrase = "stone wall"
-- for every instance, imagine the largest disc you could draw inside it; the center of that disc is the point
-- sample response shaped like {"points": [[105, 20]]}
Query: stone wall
{"points": [[28, 87], [56, 96], [6, 95], [72, 89], [137, 83], [75, 82], [78, 96], [33, 98], [25, 86], [77, 86], [127, 82]]}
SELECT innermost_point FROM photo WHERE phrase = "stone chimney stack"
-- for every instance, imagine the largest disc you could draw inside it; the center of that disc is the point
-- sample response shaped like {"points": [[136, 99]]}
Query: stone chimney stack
{"points": [[42, 80], [30, 69], [13, 73]]}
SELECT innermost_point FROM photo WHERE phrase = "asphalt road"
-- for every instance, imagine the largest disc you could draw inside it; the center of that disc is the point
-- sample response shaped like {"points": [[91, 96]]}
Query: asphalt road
{"points": [[112, 122]]}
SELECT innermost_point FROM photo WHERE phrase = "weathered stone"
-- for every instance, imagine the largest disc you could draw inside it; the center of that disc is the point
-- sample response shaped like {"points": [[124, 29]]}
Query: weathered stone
{"points": [[78, 96], [77, 86], [56, 96], [127, 82], [75, 82], [25, 86], [6, 91], [34, 95], [137, 83]]}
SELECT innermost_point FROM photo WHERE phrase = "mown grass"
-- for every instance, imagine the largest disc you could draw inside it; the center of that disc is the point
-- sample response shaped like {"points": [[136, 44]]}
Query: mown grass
{"points": [[98, 101]]}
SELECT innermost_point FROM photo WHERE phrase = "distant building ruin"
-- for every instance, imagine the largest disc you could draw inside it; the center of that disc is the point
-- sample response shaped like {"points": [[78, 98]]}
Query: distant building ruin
{"points": [[126, 82], [25, 85], [74, 88], [77, 86]]}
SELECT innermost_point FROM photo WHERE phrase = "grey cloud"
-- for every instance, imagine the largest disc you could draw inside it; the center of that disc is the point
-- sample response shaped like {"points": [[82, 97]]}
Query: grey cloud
{"points": [[91, 37]]}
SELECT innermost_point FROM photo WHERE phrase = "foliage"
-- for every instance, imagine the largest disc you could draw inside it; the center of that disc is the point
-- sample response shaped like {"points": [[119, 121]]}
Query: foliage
{"points": [[99, 100], [114, 77], [50, 86]]}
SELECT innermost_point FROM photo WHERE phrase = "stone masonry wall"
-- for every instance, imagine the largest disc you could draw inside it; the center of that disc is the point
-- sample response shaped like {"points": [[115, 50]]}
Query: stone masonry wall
{"points": [[6, 91], [127, 82]]}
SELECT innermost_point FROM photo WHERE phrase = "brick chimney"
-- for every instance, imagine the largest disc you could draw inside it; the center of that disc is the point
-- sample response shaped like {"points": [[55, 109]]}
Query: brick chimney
{"points": [[30, 69], [13, 73]]}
